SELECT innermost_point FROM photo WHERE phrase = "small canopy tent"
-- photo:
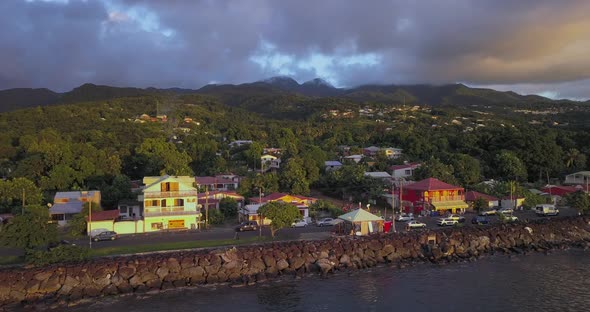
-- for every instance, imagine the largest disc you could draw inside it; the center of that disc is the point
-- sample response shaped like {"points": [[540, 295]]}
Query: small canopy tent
{"points": [[363, 221]]}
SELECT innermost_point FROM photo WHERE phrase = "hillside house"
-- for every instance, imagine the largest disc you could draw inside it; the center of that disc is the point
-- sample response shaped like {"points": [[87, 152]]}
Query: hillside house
{"points": [[405, 171], [67, 204], [170, 202], [269, 162], [218, 183], [581, 177], [332, 165]]}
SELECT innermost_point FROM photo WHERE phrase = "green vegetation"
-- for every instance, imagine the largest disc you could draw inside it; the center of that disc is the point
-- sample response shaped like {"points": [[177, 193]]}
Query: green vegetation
{"points": [[229, 207], [30, 230], [59, 254], [123, 250], [281, 214], [580, 201]]}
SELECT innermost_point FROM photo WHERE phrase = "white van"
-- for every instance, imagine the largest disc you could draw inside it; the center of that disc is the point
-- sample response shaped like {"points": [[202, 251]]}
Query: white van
{"points": [[546, 210]]}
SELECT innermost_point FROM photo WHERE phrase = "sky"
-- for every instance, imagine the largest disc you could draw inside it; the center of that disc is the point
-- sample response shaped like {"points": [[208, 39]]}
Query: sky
{"points": [[528, 46]]}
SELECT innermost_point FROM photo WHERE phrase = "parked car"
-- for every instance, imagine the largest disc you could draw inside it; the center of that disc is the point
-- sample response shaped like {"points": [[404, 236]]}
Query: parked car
{"points": [[446, 222], [299, 223], [415, 225], [506, 211], [510, 218], [405, 217], [247, 226], [457, 218], [546, 210], [490, 212], [480, 220], [108, 235], [326, 222]]}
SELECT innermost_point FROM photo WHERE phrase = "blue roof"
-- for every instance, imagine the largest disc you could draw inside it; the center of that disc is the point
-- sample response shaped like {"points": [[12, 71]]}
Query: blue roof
{"points": [[333, 163], [69, 207]]}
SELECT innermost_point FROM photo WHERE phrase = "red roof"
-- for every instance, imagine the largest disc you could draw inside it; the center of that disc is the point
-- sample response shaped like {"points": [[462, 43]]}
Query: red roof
{"points": [[213, 180], [431, 184], [473, 195], [105, 215], [405, 166], [277, 196], [563, 190]]}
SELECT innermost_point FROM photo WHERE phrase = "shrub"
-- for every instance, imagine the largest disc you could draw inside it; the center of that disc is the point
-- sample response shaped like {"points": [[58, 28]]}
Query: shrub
{"points": [[59, 254], [216, 217]]}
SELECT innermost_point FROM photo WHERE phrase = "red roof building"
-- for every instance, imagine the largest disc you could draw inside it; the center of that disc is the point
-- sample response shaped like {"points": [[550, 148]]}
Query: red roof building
{"points": [[471, 196], [561, 190], [433, 194], [106, 215], [297, 200]]}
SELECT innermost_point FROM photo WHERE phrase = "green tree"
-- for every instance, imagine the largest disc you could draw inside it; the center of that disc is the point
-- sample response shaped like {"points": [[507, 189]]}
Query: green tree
{"points": [[466, 169], [281, 215], [480, 204], [165, 158], [33, 229], [293, 177], [509, 166], [78, 225], [579, 200], [434, 168], [229, 207]]}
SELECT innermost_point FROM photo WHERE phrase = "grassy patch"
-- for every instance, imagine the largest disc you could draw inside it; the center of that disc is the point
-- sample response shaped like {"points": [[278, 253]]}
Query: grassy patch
{"points": [[8, 260], [122, 250]]}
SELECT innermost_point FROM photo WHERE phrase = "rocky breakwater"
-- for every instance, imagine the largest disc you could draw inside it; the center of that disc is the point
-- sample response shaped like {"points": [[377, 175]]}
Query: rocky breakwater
{"points": [[63, 284]]}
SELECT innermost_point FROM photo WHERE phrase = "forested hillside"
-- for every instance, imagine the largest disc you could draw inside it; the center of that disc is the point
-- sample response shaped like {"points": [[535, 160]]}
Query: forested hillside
{"points": [[100, 140]]}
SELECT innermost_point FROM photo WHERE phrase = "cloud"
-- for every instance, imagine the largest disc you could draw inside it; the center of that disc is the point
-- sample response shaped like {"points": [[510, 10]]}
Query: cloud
{"points": [[536, 45]]}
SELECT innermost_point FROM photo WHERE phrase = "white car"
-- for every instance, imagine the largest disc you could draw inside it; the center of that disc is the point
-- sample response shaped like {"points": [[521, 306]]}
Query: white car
{"points": [[405, 217], [326, 222], [445, 222], [456, 217], [416, 225], [506, 211], [510, 218], [299, 223], [488, 212]]}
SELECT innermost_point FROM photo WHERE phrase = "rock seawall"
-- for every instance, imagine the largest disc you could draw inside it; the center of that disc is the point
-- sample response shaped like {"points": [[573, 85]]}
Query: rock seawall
{"points": [[61, 284]]}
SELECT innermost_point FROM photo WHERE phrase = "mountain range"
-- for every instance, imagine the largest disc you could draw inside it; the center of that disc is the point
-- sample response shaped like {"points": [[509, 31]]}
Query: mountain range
{"points": [[284, 88]]}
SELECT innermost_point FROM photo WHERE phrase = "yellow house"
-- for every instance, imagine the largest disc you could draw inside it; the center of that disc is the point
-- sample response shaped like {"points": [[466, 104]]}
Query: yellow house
{"points": [[170, 202]]}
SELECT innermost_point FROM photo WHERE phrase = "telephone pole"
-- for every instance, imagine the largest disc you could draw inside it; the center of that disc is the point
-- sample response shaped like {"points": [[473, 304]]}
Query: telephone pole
{"points": [[23, 209], [90, 222], [206, 207], [259, 214]]}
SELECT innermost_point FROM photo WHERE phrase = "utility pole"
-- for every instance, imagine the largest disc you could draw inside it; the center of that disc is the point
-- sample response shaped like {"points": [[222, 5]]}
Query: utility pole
{"points": [[206, 207], [259, 214], [392, 206], [90, 222], [23, 209]]}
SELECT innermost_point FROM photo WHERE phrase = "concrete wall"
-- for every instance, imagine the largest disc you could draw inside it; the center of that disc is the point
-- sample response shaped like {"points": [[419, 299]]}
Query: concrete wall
{"points": [[63, 284]]}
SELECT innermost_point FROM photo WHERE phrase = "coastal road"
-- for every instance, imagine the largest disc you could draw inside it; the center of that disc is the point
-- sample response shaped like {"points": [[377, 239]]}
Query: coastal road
{"points": [[228, 232]]}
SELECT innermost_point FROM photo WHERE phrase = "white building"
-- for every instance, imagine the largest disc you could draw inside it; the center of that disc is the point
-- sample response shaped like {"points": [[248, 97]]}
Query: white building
{"points": [[404, 171], [332, 165], [582, 177]]}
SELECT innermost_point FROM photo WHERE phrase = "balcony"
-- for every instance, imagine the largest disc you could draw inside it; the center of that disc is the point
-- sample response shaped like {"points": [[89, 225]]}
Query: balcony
{"points": [[171, 194], [167, 211], [439, 199]]}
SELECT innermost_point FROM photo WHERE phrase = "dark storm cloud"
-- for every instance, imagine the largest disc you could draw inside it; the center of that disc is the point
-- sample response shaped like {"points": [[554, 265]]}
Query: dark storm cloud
{"points": [[533, 45]]}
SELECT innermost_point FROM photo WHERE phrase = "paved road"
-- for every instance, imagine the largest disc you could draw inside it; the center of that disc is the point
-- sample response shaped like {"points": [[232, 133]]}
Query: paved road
{"points": [[521, 215], [309, 232]]}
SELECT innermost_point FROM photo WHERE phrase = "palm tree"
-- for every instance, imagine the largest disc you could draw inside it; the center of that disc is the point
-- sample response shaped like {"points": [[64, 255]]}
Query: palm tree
{"points": [[572, 156]]}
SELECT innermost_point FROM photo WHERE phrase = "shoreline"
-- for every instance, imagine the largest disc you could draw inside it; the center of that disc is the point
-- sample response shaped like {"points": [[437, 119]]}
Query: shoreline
{"points": [[73, 284]]}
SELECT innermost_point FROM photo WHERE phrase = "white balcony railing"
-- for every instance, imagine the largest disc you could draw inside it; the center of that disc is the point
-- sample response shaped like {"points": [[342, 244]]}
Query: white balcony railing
{"points": [[170, 194], [167, 211]]}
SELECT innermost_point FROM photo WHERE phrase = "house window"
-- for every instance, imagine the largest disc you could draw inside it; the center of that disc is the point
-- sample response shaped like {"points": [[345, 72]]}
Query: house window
{"points": [[152, 203], [157, 226], [169, 186], [408, 172], [123, 209], [178, 202]]}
